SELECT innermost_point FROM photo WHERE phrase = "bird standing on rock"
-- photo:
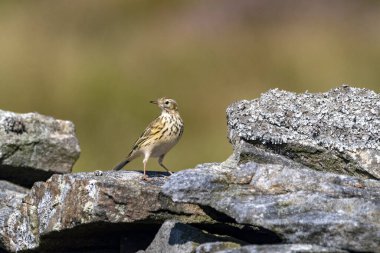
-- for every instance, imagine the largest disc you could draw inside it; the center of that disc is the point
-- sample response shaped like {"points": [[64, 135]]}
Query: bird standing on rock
{"points": [[159, 137]]}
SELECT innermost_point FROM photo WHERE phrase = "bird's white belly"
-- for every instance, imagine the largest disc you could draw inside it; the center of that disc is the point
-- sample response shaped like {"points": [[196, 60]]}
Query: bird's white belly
{"points": [[161, 148]]}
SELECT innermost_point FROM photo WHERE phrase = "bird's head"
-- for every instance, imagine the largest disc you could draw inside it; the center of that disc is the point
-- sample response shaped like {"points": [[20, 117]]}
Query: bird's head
{"points": [[167, 104]]}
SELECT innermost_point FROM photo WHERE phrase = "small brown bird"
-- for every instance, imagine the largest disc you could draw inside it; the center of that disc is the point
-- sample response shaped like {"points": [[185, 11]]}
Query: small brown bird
{"points": [[159, 137]]}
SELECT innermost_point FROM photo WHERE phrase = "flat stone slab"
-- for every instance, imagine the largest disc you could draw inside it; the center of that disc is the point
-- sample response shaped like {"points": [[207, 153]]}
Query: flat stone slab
{"points": [[94, 211], [220, 247], [301, 206], [34, 146], [336, 131]]}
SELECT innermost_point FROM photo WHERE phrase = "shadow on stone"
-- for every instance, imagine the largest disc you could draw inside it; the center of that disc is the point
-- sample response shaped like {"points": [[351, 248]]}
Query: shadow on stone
{"points": [[99, 237], [182, 233], [28, 178], [155, 173], [177, 237], [228, 226]]}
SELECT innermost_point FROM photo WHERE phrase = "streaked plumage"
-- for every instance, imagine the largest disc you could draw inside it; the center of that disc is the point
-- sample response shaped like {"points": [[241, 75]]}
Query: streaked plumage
{"points": [[159, 137]]}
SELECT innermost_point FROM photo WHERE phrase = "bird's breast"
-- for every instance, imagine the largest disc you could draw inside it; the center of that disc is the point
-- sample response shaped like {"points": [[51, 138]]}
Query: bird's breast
{"points": [[167, 137]]}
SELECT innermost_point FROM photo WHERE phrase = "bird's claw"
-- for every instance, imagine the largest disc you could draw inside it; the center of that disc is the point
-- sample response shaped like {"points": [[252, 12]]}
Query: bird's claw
{"points": [[146, 178]]}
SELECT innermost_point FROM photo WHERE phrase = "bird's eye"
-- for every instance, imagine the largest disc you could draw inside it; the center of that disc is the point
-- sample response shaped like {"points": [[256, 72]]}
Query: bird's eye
{"points": [[166, 102]]}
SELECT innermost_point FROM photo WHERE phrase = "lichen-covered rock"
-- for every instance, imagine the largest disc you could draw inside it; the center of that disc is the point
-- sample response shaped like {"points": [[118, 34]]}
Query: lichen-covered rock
{"points": [[93, 211], [11, 196], [299, 205], [285, 186], [33, 147], [337, 131], [176, 237], [220, 247]]}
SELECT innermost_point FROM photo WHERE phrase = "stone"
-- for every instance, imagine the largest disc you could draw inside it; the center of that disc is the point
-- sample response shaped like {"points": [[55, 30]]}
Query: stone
{"points": [[211, 247], [336, 131], [299, 205], [117, 211], [33, 147], [303, 177], [176, 237], [11, 196], [275, 248]]}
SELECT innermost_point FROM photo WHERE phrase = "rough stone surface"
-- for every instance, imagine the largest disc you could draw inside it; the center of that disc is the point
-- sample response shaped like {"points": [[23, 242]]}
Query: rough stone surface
{"points": [[283, 248], [212, 247], [73, 210], [33, 147], [303, 178], [299, 205], [10, 198], [336, 131], [176, 237]]}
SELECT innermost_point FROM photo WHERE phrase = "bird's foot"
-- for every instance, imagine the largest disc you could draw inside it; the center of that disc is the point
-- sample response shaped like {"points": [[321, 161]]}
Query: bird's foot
{"points": [[167, 176], [146, 178]]}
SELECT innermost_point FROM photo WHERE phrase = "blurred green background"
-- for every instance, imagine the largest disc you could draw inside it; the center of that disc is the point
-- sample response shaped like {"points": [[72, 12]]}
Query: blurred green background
{"points": [[99, 62]]}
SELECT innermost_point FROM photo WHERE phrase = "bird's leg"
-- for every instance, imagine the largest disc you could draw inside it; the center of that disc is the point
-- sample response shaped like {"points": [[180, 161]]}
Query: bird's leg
{"points": [[145, 161], [160, 160]]}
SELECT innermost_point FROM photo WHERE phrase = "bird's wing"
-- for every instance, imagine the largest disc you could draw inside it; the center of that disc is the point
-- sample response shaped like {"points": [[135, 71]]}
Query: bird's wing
{"points": [[148, 135]]}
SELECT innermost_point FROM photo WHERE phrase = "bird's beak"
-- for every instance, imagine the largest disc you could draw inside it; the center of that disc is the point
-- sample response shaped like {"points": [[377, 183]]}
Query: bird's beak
{"points": [[153, 102]]}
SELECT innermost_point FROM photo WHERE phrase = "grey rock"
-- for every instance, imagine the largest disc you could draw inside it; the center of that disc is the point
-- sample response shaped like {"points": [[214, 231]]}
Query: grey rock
{"points": [[33, 147], [212, 247], [303, 178], [11, 196], [283, 248], [298, 205], [337, 131], [86, 211], [176, 237]]}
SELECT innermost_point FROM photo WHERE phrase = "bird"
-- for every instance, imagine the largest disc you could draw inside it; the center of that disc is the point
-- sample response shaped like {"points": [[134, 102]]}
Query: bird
{"points": [[162, 134]]}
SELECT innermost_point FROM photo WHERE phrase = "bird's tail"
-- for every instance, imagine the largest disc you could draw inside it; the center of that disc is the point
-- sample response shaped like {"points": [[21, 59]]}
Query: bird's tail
{"points": [[121, 165]]}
